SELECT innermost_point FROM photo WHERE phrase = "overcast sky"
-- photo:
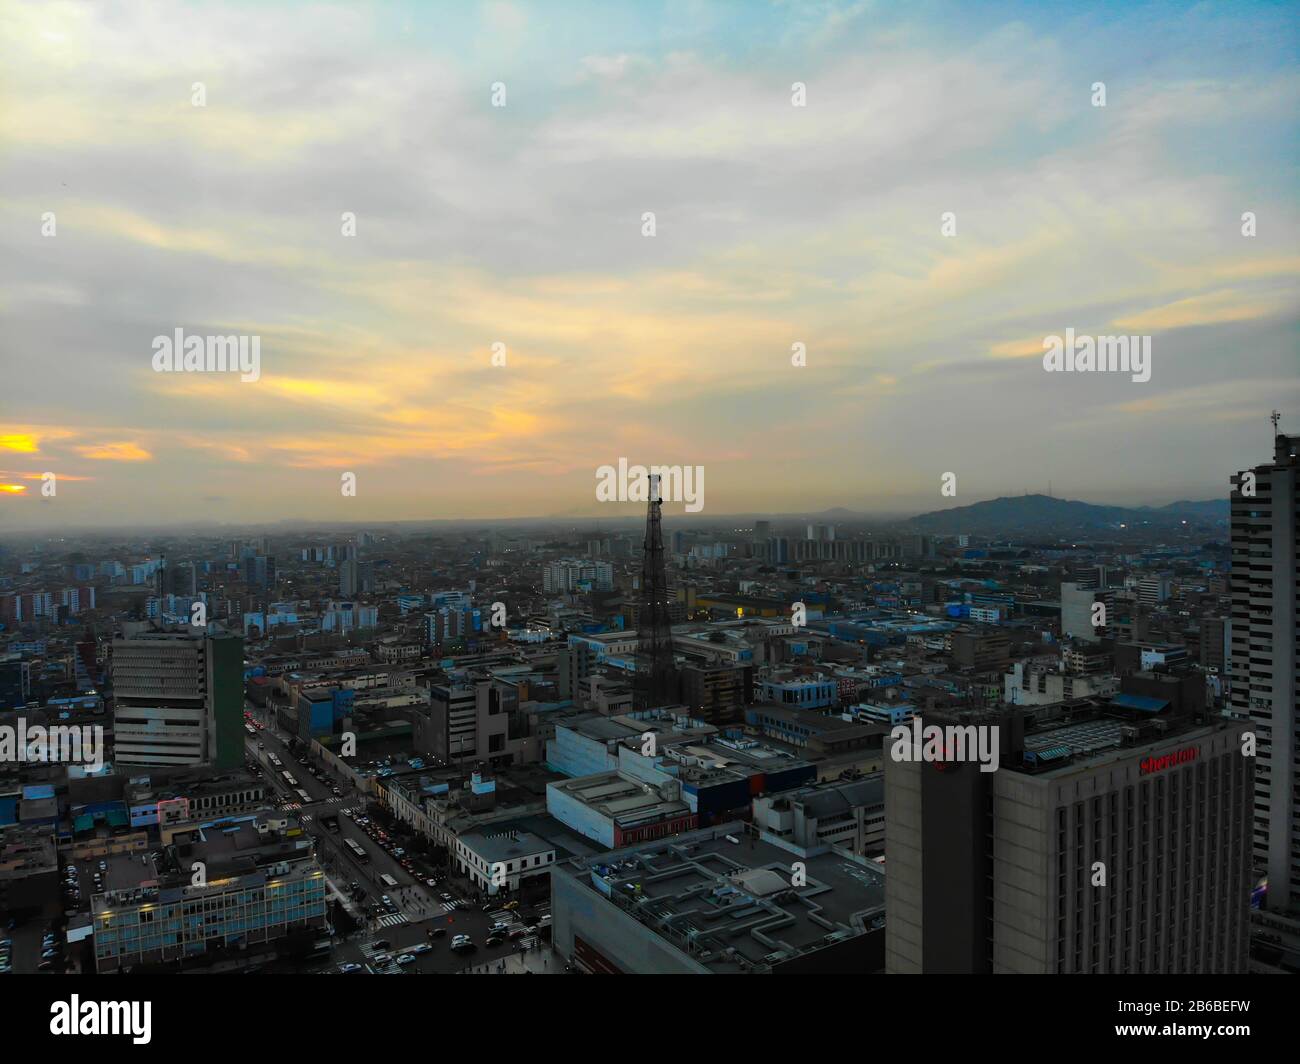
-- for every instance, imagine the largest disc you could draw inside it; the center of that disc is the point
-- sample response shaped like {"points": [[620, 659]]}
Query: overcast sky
{"points": [[775, 225]]}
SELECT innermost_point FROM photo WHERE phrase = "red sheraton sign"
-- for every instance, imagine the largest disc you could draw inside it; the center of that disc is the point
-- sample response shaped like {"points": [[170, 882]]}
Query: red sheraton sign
{"points": [[1158, 764]]}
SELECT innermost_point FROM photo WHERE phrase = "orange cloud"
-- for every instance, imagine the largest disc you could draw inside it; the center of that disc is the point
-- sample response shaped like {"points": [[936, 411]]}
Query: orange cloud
{"points": [[61, 476], [20, 441], [119, 451], [13, 489]]}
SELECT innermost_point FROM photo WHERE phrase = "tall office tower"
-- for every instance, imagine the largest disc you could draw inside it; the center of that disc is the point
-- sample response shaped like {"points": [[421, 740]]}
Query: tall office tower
{"points": [[15, 682], [85, 664], [778, 550], [452, 733], [656, 679], [182, 580], [1077, 612], [762, 532], [1155, 589], [1265, 598], [1107, 840], [259, 571], [178, 699], [349, 578]]}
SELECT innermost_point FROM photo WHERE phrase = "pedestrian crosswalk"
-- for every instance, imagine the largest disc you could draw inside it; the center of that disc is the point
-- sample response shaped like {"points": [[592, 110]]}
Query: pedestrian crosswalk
{"points": [[448, 906], [392, 920], [306, 818], [289, 807], [380, 967]]}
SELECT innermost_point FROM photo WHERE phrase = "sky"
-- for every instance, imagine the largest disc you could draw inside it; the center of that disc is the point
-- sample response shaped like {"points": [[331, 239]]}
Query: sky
{"points": [[128, 212]]}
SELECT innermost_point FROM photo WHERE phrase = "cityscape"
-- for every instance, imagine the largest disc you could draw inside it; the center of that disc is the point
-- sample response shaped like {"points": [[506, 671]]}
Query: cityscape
{"points": [[649, 489]]}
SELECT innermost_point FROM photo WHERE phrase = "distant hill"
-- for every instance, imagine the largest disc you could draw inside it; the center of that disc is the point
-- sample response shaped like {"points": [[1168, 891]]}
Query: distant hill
{"points": [[1041, 513]]}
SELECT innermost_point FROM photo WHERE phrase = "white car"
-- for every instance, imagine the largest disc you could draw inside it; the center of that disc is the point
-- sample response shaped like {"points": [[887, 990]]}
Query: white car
{"points": [[406, 958]]}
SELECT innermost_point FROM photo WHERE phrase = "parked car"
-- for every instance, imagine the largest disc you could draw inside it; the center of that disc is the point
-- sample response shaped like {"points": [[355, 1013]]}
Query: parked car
{"points": [[406, 958], [349, 968]]}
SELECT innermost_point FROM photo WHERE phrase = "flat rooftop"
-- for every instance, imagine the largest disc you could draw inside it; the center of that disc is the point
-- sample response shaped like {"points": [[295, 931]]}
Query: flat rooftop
{"points": [[732, 905]]}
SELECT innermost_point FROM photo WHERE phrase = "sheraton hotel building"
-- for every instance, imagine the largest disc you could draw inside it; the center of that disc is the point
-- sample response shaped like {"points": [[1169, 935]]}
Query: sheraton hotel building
{"points": [[1114, 837]]}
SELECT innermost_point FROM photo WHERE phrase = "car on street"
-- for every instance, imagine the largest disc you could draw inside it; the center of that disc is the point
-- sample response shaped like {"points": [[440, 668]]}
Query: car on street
{"points": [[349, 968], [406, 958], [462, 944]]}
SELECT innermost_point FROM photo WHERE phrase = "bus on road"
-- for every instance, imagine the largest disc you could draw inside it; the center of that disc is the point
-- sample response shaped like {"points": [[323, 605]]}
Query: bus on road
{"points": [[357, 851], [388, 881], [307, 799]]}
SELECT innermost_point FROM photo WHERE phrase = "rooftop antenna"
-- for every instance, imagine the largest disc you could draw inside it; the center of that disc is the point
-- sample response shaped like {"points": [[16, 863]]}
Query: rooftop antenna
{"points": [[1275, 417]]}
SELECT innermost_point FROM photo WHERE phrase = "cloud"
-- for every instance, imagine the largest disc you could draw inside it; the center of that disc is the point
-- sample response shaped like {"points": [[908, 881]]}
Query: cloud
{"points": [[117, 451], [776, 225]]}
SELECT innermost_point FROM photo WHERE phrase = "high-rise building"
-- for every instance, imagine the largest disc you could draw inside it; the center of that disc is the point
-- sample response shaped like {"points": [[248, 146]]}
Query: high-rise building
{"points": [[1154, 589], [349, 578], [15, 683], [1078, 613], [178, 699], [1106, 840], [259, 571], [1265, 598], [569, 574], [453, 722]]}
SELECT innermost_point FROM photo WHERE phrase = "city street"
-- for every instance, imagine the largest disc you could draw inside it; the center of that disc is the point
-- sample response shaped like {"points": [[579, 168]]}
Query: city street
{"points": [[420, 907]]}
